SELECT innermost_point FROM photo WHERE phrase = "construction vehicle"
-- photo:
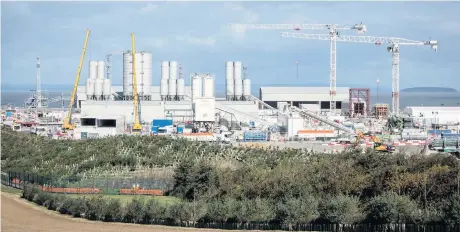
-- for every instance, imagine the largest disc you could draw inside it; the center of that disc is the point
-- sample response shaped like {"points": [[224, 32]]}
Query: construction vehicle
{"points": [[378, 144], [67, 124], [137, 127]]}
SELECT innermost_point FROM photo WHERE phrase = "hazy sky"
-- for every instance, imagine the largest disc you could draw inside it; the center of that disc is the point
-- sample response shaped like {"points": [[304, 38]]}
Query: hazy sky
{"points": [[196, 34]]}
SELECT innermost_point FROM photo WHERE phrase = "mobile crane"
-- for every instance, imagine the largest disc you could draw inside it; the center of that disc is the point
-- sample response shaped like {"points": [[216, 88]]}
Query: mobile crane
{"points": [[137, 126], [67, 124]]}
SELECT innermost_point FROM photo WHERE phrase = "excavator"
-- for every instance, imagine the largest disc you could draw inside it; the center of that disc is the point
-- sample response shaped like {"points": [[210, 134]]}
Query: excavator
{"points": [[378, 145], [67, 124]]}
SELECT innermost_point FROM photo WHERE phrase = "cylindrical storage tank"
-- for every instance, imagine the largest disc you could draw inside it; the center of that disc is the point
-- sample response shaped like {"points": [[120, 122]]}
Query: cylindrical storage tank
{"points": [[107, 89], [147, 80], [100, 70], [90, 87], [93, 70], [165, 70], [180, 88], [246, 88], [229, 79], [139, 72], [127, 74], [163, 88], [238, 82], [98, 86], [173, 70], [238, 88], [196, 86], [172, 88], [208, 86]]}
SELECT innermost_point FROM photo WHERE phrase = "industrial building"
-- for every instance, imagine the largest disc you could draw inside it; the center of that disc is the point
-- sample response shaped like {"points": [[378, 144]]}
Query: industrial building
{"points": [[434, 115]]}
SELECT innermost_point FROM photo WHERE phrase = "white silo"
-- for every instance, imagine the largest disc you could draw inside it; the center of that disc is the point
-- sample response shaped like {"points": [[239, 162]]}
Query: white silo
{"points": [[238, 82], [147, 72], [229, 80], [165, 70], [208, 86], [172, 80], [92, 70], [180, 88], [247, 88], [127, 74], [98, 86], [107, 88], [196, 86], [90, 88], [139, 72], [163, 88], [100, 70]]}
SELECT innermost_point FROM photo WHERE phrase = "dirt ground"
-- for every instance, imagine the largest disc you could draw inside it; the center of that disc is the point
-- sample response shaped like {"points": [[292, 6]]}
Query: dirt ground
{"points": [[19, 215]]}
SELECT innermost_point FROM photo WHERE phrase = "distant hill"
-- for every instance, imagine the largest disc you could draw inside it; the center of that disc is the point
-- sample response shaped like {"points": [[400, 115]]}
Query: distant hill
{"points": [[429, 90]]}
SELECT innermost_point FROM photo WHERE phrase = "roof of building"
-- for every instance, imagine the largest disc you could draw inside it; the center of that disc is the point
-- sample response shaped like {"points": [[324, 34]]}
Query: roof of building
{"points": [[301, 90], [434, 108]]}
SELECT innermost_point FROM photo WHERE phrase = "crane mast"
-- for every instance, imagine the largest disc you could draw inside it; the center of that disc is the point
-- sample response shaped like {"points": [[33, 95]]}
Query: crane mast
{"points": [[67, 120], [38, 91], [333, 34], [393, 46], [137, 126]]}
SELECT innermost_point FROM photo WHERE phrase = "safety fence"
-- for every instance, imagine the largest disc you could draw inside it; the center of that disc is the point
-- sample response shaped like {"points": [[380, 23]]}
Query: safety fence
{"points": [[117, 185]]}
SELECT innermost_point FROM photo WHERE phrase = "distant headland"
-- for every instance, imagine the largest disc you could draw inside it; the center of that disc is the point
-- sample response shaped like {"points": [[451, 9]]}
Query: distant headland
{"points": [[429, 90]]}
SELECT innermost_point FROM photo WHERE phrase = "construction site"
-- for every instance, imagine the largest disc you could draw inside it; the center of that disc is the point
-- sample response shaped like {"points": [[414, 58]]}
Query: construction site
{"points": [[186, 106]]}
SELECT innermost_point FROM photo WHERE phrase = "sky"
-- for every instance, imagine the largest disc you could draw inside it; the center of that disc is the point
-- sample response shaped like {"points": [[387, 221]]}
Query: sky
{"points": [[196, 34]]}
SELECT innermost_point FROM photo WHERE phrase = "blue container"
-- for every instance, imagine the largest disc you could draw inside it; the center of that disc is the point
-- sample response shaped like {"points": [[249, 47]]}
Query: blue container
{"points": [[84, 135], [180, 129], [155, 130], [450, 135], [438, 132], [254, 136], [162, 122], [252, 124], [9, 114]]}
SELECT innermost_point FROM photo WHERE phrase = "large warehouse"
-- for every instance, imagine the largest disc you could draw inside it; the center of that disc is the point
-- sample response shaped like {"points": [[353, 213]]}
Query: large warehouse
{"points": [[312, 98]]}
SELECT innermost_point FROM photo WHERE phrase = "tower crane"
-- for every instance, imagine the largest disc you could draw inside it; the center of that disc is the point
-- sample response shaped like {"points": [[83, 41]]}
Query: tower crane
{"points": [[66, 125], [393, 47], [332, 37], [38, 91], [136, 126]]}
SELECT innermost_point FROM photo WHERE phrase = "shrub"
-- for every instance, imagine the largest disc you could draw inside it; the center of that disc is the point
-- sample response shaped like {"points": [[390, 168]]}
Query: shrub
{"points": [[52, 202], [392, 208], [95, 207], [65, 205], [341, 209], [41, 197], [134, 211], [298, 210], [29, 191], [452, 210], [78, 206], [113, 211]]}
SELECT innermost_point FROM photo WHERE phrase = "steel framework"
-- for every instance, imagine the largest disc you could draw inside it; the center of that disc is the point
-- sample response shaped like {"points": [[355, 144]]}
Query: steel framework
{"points": [[362, 95], [393, 46]]}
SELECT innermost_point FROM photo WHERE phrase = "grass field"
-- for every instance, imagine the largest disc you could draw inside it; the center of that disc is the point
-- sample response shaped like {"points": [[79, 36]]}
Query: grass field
{"points": [[11, 190]]}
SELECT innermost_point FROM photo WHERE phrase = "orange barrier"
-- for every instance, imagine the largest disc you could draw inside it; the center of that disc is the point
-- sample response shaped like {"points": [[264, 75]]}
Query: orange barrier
{"points": [[315, 132], [151, 192], [71, 190]]}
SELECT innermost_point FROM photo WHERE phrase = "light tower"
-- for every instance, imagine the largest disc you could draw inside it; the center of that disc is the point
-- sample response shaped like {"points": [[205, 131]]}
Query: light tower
{"points": [[38, 91]]}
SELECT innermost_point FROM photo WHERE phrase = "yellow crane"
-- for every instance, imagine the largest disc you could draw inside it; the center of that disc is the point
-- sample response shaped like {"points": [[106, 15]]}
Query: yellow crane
{"points": [[137, 126], [67, 124]]}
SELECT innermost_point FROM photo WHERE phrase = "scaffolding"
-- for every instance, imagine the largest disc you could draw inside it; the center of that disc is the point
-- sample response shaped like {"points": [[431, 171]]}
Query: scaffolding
{"points": [[381, 110], [359, 102]]}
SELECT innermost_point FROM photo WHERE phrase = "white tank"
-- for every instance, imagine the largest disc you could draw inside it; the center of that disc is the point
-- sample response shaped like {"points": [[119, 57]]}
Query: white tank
{"points": [[107, 88], [98, 86], [165, 70], [208, 86], [147, 79], [181, 88], [196, 86], [172, 88], [92, 70], [173, 70], [230, 88], [163, 88], [100, 70], [238, 88], [237, 71], [90, 87], [229, 79], [127, 74], [139, 72], [247, 88]]}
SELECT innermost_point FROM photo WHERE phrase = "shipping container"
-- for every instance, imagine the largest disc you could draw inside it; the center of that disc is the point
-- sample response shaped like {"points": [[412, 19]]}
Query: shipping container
{"points": [[162, 122], [155, 130], [254, 136], [438, 132], [180, 129], [450, 135], [84, 135]]}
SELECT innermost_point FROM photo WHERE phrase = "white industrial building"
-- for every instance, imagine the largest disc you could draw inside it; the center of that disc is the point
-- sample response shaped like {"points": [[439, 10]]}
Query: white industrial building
{"points": [[316, 99], [442, 115]]}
